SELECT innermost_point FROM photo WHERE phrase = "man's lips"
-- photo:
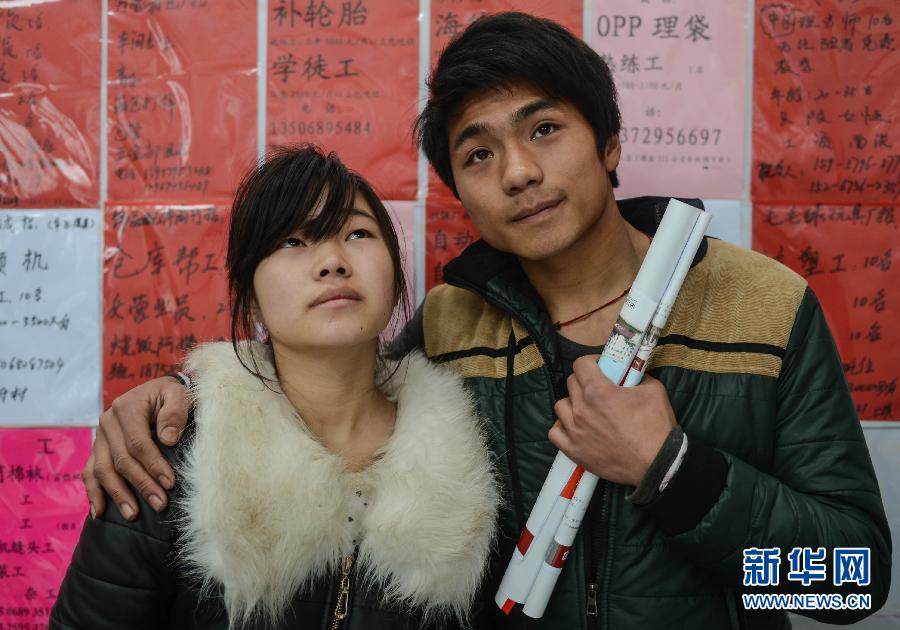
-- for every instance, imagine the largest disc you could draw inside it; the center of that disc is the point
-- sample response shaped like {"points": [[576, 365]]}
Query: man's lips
{"points": [[535, 209], [335, 294]]}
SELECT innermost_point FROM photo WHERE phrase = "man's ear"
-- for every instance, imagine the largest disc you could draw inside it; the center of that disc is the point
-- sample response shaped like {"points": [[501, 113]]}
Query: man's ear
{"points": [[612, 153]]}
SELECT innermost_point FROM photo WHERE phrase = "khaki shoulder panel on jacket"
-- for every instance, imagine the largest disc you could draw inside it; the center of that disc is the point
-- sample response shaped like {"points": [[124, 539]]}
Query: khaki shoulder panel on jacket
{"points": [[735, 313], [472, 337]]}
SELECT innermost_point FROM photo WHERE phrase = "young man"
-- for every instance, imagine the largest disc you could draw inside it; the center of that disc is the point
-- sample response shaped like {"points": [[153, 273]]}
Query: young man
{"points": [[748, 439]]}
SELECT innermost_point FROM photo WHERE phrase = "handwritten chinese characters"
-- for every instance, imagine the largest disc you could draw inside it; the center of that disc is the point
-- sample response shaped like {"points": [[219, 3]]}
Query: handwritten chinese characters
{"points": [[848, 254], [451, 17], [49, 104], [448, 231], [164, 289], [344, 74], [181, 113], [49, 317], [679, 68], [825, 111], [42, 508]]}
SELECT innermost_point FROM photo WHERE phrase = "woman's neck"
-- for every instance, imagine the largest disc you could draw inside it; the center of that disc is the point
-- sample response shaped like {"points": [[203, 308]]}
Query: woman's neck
{"points": [[335, 393]]}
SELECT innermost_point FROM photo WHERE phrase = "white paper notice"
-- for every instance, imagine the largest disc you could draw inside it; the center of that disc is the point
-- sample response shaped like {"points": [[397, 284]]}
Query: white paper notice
{"points": [[730, 221], [49, 317]]}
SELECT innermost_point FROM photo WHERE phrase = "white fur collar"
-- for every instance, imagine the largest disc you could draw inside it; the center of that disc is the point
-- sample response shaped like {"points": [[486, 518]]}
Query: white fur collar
{"points": [[265, 503]]}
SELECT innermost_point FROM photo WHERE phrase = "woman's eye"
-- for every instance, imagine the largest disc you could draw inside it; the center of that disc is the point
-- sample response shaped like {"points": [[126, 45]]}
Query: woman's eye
{"points": [[360, 233], [543, 129], [292, 242], [477, 156]]}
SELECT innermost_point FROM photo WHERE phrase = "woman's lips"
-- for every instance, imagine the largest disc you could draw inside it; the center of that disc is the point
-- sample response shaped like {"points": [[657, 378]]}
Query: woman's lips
{"points": [[336, 297]]}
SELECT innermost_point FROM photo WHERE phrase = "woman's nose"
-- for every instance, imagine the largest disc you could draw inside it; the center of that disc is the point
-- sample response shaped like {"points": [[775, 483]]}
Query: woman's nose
{"points": [[332, 261], [327, 269]]}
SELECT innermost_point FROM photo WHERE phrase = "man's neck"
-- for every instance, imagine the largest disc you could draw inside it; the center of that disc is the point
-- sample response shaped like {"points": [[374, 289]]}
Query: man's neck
{"points": [[595, 269]]}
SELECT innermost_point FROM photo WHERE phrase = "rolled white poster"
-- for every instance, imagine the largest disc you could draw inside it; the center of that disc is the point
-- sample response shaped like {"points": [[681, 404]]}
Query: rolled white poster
{"points": [[642, 317], [639, 364], [520, 576], [558, 550], [648, 288], [560, 482]]}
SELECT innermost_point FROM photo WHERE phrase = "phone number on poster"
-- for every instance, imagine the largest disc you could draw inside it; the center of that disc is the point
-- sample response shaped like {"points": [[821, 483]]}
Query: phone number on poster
{"points": [[321, 128], [695, 136]]}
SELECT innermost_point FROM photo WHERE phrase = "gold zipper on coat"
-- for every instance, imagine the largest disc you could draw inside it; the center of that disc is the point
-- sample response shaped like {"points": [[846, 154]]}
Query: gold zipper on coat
{"points": [[341, 609]]}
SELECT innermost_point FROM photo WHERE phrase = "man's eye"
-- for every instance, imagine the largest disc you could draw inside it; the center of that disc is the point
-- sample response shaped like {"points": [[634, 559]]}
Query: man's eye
{"points": [[360, 233], [479, 155], [292, 242], [543, 129]]}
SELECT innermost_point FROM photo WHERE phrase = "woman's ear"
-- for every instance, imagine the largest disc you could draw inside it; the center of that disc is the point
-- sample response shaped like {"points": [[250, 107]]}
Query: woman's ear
{"points": [[260, 332]]}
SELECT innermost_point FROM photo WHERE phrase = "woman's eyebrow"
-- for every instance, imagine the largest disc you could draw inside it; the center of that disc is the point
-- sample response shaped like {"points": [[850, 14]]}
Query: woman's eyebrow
{"points": [[356, 212]]}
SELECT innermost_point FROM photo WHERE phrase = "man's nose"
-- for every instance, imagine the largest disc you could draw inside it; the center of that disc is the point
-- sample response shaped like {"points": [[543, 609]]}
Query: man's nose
{"points": [[520, 170]]}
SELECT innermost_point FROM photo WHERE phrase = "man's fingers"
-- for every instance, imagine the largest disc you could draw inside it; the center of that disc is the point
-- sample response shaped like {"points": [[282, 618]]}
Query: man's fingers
{"points": [[133, 415], [576, 392], [95, 493], [649, 381], [112, 483], [175, 403], [586, 367], [594, 383], [559, 438], [565, 416], [124, 465]]}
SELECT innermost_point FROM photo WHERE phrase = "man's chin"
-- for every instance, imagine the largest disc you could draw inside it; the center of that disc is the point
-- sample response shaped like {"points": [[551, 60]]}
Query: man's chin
{"points": [[539, 252], [538, 246]]}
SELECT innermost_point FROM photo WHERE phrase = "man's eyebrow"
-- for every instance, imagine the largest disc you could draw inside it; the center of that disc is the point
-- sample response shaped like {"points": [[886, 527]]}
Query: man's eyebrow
{"points": [[470, 131], [532, 108], [518, 116]]}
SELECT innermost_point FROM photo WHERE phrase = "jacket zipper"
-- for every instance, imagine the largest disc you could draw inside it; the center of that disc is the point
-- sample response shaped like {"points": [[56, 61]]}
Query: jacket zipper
{"points": [[599, 546], [592, 610], [598, 554], [342, 607]]}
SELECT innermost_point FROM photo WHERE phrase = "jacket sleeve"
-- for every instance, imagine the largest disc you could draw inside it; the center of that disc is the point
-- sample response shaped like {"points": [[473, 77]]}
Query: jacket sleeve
{"points": [[412, 337], [821, 490], [120, 575]]}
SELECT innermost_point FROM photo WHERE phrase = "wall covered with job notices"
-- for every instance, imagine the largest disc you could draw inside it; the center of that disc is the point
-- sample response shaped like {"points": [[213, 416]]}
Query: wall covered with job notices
{"points": [[125, 126]]}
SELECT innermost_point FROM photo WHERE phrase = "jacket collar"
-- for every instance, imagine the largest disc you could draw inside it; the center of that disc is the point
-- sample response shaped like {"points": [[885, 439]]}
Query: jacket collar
{"points": [[480, 264], [498, 277], [265, 508]]}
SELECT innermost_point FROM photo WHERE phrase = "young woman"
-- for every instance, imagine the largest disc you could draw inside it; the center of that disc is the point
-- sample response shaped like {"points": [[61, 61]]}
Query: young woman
{"points": [[320, 487]]}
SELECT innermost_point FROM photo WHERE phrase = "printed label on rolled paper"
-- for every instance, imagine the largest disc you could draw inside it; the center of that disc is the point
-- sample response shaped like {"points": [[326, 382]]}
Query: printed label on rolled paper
{"points": [[622, 344]]}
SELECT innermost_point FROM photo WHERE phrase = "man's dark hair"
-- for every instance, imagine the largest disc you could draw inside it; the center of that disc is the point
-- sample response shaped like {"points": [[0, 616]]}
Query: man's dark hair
{"points": [[495, 52], [295, 188]]}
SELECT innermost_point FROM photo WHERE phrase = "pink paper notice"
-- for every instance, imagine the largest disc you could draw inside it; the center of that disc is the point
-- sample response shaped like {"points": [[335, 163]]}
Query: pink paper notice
{"points": [[403, 215], [42, 509], [680, 67]]}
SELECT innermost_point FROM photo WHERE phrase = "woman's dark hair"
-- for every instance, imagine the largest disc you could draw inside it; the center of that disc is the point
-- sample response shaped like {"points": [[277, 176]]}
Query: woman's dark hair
{"points": [[495, 52], [283, 195]]}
